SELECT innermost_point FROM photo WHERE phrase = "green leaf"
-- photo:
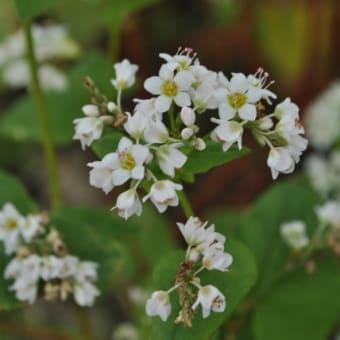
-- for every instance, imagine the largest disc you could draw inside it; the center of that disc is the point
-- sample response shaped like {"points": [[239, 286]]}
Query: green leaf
{"points": [[202, 161], [28, 9], [13, 191], [20, 122], [260, 229], [302, 306], [107, 144], [234, 284], [93, 235]]}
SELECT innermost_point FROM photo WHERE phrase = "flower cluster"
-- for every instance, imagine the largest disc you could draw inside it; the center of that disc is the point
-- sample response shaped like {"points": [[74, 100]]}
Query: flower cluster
{"points": [[324, 173], [326, 234], [42, 261], [163, 131], [323, 118], [205, 251], [51, 43]]}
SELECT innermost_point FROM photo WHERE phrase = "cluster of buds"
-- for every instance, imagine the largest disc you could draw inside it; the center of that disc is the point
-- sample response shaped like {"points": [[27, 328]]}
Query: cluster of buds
{"points": [[155, 143], [205, 251], [42, 264], [326, 234]]}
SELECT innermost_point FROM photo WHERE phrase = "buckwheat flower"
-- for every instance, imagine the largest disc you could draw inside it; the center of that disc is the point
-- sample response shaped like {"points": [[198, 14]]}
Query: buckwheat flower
{"points": [[170, 87], [215, 258], [51, 267], [163, 194], [25, 290], [238, 97], [86, 270], [12, 270], [188, 116], [294, 234], [128, 204], [329, 213], [30, 268], [125, 75], [31, 227], [159, 304], [11, 222], [148, 108], [211, 299], [169, 158], [118, 167], [203, 97], [136, 124], [69, 266], [287, 111], [85, 293], [258, 82], [156, 132], [227, 133], [322, 117], [182, 59], [194, 231], [280, 160]]}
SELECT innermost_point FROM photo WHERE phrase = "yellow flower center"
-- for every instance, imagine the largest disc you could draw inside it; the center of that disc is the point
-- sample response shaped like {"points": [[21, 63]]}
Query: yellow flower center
{"points": [[11, 224], [127, 161], [170, 88], [237, 100]]}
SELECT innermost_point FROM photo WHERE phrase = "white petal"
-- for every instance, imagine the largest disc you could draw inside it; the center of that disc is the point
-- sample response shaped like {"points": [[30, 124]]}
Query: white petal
{"points": [[120, 176], [167, 71], [182, 99], [247, 112], [163, 103], [239, 83], [153, 85], [184, 80]]}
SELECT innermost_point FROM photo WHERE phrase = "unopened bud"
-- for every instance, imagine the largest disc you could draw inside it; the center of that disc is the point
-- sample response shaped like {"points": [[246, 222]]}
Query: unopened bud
{"points": [[90, 110], [200, 144], [188, 116], [187, 133]]}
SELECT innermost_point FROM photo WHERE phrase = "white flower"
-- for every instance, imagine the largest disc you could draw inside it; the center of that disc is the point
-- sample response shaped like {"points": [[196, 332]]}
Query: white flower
{"points": [[194, 231], [125, 75], [156, 132], [12, 269], [148, 108], [11, 222], [329, 213], [159, 304], [88, 129], [294, 234], [31, 227], [215, 258], [128, 204], [258, 82], [169, 158], [163, 194], [323, 117], [86, 270], [51, 267], [118, 167], [170, 87], [69, 266], [237, 97], [181, 60], [227, 133], [203, 97], [25, 290], [280, 160], [85, 293], [211, 299], [136, 124]]}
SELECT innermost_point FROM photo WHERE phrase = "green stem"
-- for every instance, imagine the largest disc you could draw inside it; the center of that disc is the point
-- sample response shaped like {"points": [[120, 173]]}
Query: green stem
{"points": [[185, 204], [172, 121], [49, 149]]}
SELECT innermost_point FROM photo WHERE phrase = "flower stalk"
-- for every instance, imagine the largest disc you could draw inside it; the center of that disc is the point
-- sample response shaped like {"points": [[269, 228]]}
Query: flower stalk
{"points": [[49, 149]]}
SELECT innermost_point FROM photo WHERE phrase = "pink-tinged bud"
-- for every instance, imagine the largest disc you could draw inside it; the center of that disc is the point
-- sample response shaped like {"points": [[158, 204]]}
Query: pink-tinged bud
{"points": [[187, 133]]}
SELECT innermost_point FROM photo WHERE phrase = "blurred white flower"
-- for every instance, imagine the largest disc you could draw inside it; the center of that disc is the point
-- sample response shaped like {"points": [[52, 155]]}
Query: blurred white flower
{"points": [[329, 213], [85, 293], [159, 304], [170, 158], [294, 234], [211, 299], [125, 75]]}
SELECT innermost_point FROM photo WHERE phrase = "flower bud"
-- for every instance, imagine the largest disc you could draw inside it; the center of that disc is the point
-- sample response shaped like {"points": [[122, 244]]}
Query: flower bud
{"points": [[90, 110], [187, 133], [188, 116]]}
